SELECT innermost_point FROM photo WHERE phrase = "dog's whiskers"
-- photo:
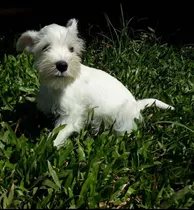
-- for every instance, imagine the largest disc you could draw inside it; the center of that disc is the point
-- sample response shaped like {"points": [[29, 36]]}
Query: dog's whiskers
{"points": [[49, 74]]}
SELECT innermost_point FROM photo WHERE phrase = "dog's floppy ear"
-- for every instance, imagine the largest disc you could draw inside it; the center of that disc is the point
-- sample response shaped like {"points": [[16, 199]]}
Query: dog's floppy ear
{"points": [[72, 24], [27, 41]]}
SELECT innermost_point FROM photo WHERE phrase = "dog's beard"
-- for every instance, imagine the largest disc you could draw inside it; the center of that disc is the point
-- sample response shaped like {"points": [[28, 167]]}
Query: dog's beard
{"points": [[51, 77]]}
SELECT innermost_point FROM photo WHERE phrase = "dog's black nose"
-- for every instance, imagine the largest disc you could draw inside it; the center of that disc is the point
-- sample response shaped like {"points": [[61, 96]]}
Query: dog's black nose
{"points": [[61, 66]]}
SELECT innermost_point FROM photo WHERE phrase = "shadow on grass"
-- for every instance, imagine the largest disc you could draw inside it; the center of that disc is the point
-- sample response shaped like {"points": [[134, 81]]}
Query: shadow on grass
{"points": [[28, 120]]}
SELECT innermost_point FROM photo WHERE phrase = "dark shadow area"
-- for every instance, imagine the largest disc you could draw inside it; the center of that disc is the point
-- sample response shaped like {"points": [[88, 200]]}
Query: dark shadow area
{"points": [[171, 21], [23, 114]]}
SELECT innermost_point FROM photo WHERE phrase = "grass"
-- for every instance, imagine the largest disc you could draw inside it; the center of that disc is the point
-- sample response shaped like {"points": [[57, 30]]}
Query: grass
{"points": [[151, 168]]}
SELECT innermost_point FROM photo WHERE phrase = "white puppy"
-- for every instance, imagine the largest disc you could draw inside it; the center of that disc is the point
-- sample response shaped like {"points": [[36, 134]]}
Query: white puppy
{"points": [[70, 89]]}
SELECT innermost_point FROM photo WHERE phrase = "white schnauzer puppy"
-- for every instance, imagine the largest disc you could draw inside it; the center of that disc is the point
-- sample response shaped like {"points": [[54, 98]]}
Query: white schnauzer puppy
{"points": [[70, 89]]}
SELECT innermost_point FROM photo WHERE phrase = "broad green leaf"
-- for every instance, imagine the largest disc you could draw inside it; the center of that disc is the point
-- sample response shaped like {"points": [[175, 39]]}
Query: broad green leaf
{"points": [[51, 184], [176, 196], [11, 195], [54, 175], [81, 153]]}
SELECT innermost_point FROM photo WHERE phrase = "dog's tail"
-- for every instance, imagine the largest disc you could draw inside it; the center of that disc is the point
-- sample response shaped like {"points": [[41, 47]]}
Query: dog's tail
{"points": [[151, 101]]}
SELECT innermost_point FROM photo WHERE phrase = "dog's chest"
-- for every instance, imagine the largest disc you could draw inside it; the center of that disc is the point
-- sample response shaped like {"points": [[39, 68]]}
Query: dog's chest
{"points": [[54, 101]]}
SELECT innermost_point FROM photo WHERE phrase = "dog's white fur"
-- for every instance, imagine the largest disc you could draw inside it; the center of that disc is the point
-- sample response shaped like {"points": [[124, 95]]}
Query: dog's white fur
{"points": [[73, 93]]}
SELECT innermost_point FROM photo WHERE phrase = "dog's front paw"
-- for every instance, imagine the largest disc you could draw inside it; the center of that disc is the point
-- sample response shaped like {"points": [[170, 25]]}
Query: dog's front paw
{"points": [[58, 142], [57, 145], [171, 107]]}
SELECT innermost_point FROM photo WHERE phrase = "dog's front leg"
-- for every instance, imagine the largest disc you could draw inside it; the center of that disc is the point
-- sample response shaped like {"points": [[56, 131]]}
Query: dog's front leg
{"points": [[67, 131], [63, 135]]}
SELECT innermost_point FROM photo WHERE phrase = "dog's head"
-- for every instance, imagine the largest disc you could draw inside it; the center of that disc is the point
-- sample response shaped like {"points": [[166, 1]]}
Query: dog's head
{"points": [[57, 51]]}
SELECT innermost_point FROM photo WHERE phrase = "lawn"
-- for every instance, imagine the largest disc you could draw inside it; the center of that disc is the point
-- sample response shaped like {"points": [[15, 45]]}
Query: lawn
{"points": [[152, 167]]}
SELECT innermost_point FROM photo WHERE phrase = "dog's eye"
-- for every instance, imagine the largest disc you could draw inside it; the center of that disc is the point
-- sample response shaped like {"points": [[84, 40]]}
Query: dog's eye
{"points": [[71, 49], [46, 47]]}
